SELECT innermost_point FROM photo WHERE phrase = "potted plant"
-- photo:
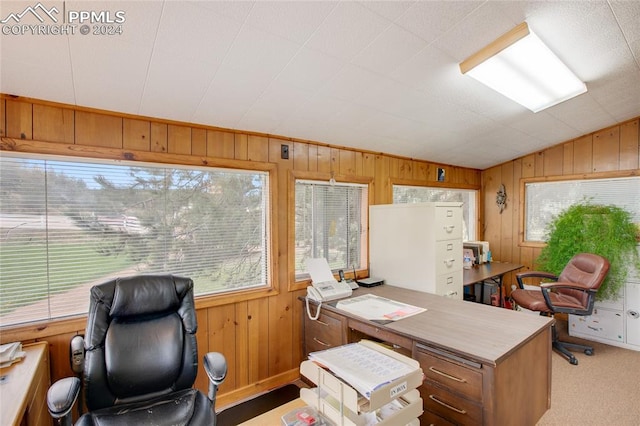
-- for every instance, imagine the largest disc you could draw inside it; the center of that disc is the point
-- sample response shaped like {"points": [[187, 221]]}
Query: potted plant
{"points": [[606, 230]]}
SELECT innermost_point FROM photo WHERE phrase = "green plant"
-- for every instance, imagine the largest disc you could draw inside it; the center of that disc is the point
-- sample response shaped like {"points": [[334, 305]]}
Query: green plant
{"points": [[606, 230]]}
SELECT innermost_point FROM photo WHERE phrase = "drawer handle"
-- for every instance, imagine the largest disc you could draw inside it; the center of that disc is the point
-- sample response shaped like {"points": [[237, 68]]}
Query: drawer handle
{"points": [[321, 342], [448, 376], [322, 323], [449, 228], [449, 262], [444, 404]]}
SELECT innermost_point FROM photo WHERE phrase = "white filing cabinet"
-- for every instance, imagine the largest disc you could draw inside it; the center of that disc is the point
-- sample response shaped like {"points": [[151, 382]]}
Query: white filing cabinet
{"points": [[604, 325], [615, 322], [632, 314], [418, 246]]}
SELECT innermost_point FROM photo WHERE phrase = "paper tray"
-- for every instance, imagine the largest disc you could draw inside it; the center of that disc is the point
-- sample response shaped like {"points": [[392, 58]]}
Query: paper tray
{"points": [[330, 408], [379, 397]]}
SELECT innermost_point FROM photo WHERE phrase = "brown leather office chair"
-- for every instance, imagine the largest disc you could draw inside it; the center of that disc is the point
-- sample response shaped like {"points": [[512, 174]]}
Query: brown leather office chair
{"points": [[572, 292]]}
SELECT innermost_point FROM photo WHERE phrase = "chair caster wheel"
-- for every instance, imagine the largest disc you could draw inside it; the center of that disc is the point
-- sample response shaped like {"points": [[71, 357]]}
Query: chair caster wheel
{"points": [[573, 361], [588, 352]]}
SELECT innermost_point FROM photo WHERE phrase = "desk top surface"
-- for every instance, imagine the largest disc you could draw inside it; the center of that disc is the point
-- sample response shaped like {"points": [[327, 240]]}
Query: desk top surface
{"points": [[18, 377], [273, 417], [484, 333], [487, 270]]}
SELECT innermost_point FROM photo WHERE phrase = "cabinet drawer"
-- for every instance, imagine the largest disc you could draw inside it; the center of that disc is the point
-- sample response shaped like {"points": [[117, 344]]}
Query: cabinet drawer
{"points": [[37, 413], [450, 285], [448, 256], [603, 323], [324, 333], [464, 381], [380, 335], [431, 419], [448, 223], [450, 406]]}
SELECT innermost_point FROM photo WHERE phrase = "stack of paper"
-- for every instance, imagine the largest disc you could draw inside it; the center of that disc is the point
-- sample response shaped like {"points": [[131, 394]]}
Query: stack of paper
{"points": [[372, 307], [363, 368], [10, 353]]}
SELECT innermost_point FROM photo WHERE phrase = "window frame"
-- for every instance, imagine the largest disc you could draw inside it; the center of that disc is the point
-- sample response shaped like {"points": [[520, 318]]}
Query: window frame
{"points": [[522, 231], [301, 284], [39, 150], [444, 185]]}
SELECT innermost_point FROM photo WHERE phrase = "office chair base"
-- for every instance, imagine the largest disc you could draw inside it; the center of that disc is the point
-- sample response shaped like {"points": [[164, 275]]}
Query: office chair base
{"points": [[562, 348]]}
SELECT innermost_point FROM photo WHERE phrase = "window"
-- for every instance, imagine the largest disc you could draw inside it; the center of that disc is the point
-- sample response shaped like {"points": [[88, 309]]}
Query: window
{"points": [[546, 199], [67, 225], [421, 194], [331, 222]]}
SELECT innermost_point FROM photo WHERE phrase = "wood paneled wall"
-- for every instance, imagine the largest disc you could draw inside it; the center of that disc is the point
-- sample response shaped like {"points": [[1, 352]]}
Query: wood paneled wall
{"points": [[614, 149], [260, 337]]}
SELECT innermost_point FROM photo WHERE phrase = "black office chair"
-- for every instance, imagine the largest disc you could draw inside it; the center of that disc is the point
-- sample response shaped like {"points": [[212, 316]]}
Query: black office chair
{"points": [[140, 358], [573, 292]]}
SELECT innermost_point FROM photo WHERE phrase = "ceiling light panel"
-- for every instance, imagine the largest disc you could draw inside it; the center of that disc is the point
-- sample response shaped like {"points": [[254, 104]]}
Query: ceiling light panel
{"points": [[521, 67]]}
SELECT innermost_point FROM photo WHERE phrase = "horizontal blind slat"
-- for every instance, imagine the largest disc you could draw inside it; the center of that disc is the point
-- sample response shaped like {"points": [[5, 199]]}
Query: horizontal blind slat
{"points": [[75, 223]]}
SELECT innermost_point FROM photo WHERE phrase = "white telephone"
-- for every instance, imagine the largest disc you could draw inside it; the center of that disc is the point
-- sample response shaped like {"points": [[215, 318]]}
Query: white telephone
{"points": [[324, 286], [324, 292], [329, 290]]}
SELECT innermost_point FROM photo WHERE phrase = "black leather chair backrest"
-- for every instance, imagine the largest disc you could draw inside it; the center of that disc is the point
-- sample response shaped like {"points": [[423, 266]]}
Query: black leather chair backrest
{"points": [[587, 269], [140, 339]]}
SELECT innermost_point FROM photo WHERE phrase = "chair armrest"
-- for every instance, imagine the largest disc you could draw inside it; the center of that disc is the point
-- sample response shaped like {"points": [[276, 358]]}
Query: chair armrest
{"points": [[61, 396], [215, 365], [534, 274], [573, 286], [547, 287]]}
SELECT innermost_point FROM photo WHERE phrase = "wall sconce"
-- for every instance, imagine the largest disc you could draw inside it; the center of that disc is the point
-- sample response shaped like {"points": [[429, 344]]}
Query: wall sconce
{"points": [[521, 67]]}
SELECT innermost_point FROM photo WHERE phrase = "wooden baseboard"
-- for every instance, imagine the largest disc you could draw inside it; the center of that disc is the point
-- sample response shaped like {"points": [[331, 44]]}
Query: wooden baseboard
{"points": [[237, 395]]}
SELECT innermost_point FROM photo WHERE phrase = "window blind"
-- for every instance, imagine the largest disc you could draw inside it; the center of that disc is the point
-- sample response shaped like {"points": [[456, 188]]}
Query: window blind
{"points": [[331, 222], [67, 225], [545, 200], [421, 194]]}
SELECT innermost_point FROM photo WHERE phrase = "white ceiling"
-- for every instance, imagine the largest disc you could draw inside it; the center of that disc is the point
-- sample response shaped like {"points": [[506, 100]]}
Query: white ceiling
{"points": [[376, 75]]}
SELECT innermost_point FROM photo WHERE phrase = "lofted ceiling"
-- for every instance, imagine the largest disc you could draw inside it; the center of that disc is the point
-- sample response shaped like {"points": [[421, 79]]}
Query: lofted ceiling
{"points": [[381, 76]]}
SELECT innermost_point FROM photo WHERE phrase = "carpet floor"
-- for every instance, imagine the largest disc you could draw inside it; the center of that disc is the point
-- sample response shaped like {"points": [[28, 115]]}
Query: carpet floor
{"points": [[601, 390], [254, 407]]}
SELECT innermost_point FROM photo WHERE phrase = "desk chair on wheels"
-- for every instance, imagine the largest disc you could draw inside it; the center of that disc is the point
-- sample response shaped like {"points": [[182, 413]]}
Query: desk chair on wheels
{"points": [[140, 358], [572, 292]]}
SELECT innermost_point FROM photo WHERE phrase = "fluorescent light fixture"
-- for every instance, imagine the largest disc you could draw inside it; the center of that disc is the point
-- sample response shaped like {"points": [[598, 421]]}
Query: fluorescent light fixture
{"points": [[521, 67]]}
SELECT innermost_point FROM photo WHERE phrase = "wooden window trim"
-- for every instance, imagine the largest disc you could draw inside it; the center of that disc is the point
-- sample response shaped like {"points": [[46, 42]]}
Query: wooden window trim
{"points": [[37, 330]]}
